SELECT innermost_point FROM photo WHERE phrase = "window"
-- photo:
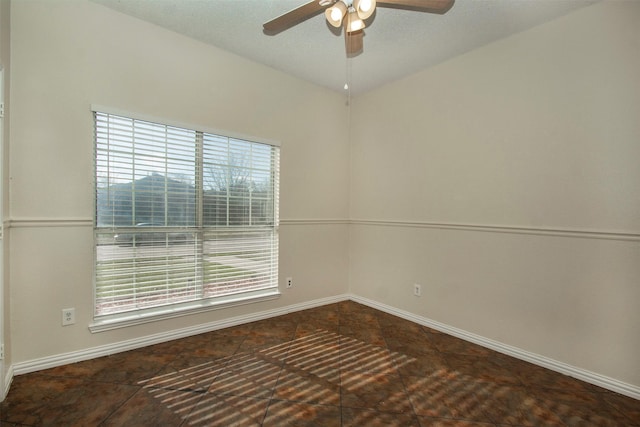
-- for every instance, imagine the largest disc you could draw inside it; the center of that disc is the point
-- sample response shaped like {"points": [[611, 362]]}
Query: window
{"points": [[184, 219]]}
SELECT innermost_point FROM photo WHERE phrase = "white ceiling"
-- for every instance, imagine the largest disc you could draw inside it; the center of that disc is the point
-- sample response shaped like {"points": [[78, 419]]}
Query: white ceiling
{"points": [[396, 42]]}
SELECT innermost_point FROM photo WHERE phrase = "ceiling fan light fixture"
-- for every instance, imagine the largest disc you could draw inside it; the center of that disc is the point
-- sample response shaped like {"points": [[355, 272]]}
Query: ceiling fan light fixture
{"points": [[354, 23], [335, 13], [351, 15], [365, 8]]}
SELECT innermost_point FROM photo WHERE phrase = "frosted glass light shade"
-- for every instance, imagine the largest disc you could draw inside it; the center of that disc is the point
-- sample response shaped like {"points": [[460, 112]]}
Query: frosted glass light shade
{"points": [[354, 23], [335, 14], [365, 8]]}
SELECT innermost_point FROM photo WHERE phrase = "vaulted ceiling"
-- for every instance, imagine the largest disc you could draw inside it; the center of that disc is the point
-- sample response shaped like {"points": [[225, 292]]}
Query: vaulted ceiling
{"points": [[396, 42]]}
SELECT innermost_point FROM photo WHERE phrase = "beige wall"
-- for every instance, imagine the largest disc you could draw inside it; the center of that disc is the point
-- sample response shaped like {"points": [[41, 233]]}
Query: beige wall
{"points": [[69, 55], [525, 152], [5, 309]]}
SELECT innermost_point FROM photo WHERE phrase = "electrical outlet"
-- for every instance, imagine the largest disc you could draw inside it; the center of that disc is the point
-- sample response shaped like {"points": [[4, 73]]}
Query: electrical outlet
{"points": [[289, 281], [417, 290], [68, 316]]}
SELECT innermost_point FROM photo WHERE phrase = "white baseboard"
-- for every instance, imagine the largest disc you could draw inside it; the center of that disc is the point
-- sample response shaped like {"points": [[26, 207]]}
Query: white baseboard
{"points": [[8, 378], [109, 349], [543, 361], [105, 350]]}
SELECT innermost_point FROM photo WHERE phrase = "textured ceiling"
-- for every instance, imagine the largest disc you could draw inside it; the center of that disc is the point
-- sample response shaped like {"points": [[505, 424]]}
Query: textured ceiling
{"points": [[396, 42]]}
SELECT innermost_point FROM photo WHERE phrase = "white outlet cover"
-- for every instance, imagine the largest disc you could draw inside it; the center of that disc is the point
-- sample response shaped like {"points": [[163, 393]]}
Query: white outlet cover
{"points": [[68, 316]]}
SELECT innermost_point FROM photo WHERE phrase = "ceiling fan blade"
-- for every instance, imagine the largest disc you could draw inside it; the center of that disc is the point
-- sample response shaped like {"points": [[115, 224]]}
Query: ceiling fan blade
{"points": [[430, 6], [353, 43], [293, 17]]}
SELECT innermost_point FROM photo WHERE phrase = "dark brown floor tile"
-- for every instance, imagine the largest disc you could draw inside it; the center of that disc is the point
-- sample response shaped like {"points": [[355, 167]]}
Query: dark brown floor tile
{"points": [[256, 343], [371, 336], [411, 336], [247, 375], [420, 365], [362, 357], [276, 327], [443, 422], [228, 411], [155, 407], [449, 344], [480, 368], [318, 354], [301, 386], [312, 344], [384, 393], [358, 417], [389, 322], [330, 321], [261, 334], [321, 315], [365, 318], [446, 394], [626, 405], [276, 353], [291, 318], [217, 345], [515, 405], [347, 309], [129, 367], [575, 409], [576, 417], [353, 315], [82, 369], [363, 321], [310, 327], [233, 331], [568, 397], [408, 341], [539, 377], [285, 413], [44, 400], [187, 373], [211, 345], [265, 338]]}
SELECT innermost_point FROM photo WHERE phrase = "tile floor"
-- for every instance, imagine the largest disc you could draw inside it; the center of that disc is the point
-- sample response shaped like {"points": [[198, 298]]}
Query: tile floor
{"points": [[339, 365]]}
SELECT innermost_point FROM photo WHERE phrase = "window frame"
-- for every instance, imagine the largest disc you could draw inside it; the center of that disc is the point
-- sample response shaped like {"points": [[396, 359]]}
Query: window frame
{"points": [[104, 322]]}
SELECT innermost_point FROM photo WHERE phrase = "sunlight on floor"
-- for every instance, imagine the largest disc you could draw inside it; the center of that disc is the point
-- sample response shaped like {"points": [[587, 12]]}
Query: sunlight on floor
{"points": [[311, 368]]}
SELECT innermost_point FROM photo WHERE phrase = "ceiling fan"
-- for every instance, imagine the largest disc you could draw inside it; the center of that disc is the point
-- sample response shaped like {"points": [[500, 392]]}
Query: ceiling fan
{"points": [[351, 15]]}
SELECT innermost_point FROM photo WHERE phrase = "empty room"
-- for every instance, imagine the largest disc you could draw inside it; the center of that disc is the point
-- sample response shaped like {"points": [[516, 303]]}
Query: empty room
{"points": [[320, 213]]}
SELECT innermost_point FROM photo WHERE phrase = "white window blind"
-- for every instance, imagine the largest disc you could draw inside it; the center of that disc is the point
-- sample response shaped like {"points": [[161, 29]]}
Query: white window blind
{"points": [[182, 217]]}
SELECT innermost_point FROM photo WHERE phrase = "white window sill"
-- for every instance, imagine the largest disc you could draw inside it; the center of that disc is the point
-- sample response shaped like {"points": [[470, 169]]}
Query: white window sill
{"points": [[125, 320]]}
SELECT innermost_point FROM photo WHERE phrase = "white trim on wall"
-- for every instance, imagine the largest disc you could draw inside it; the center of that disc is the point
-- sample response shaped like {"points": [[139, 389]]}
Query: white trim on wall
{"points": [[8, 379], [327, 221], [491, 228], [88, 222], [485, 228], [170, 312], [109, 349], [2, 244], [132, 344], [49, 222], [539, 360]]}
